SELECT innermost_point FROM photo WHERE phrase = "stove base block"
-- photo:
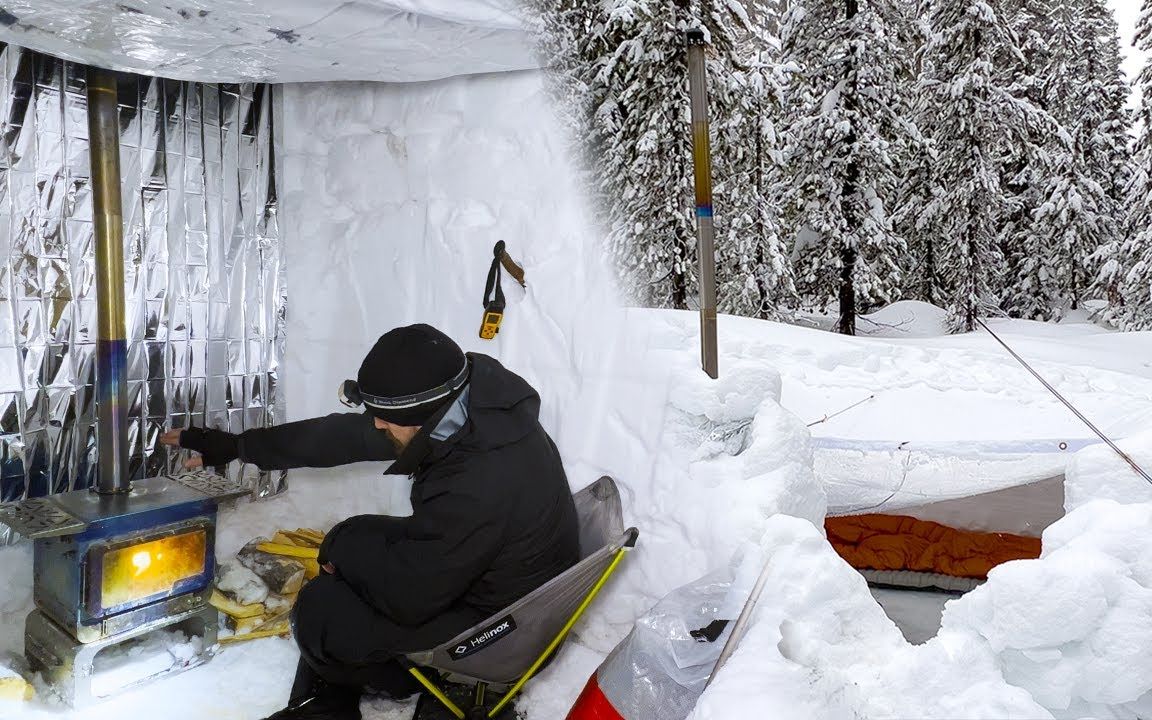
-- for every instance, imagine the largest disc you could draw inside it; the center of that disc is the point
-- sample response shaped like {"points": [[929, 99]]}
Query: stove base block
{"points": [[67, 665]]}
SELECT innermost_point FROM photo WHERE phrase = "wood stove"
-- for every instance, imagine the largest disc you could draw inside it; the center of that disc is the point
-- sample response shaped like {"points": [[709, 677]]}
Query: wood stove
{"points": [[109, 569], [120, 560]]}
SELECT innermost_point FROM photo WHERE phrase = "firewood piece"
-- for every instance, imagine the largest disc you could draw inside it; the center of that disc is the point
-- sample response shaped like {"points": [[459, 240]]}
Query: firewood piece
{"points": [[288, 550], [243, 626], [241, 583], [280, 604], [281, 538], [230, 607], [311, 568], [13, 687], [299, 538], [282, 575], [278, 629], [316, 536]]}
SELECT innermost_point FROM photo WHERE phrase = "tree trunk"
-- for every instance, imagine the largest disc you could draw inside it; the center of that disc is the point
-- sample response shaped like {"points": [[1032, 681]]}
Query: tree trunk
{"points": [[970, 284], [930, 271], [847, 323], [761, 286], [680, 286]]}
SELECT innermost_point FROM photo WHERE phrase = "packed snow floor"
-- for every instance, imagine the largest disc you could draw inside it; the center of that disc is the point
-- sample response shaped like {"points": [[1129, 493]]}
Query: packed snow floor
{"points": [[726, 449]]}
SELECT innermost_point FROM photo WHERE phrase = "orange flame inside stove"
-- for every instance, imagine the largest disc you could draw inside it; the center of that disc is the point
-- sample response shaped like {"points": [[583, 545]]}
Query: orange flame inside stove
{"points": [[142, 561], [136, 572]]}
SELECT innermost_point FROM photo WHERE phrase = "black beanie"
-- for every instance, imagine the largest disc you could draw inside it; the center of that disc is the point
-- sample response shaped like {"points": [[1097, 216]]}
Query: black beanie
{"points": [[411, 373]]}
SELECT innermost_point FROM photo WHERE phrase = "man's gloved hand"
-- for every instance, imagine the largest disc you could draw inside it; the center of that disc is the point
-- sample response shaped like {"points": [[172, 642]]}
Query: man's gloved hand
{"points": [[324, 556], [216, 447], [356, 536]]}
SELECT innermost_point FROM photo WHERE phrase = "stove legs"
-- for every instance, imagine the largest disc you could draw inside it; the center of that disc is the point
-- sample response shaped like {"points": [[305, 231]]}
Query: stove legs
{"points": [[67, 665]]}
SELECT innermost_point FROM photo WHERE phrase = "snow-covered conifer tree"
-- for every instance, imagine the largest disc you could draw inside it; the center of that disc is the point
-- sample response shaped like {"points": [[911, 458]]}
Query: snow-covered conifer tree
{"points": [[1079, 204], [848, 109], [628, 83], [916, 215], [1126, 269], [975, 109], [754, 277]]}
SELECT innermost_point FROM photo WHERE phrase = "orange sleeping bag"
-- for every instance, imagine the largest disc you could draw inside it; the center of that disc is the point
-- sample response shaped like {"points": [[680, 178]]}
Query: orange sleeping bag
{"points": [[899, 542]]}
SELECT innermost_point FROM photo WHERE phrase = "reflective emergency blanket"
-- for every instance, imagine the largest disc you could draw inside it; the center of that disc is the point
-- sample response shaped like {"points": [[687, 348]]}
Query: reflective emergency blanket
{"points": [[276, 40], [204, 282]]}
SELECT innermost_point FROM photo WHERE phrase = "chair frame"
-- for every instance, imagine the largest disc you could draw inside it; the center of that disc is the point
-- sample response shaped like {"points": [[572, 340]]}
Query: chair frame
{"points": [[479, 709]]}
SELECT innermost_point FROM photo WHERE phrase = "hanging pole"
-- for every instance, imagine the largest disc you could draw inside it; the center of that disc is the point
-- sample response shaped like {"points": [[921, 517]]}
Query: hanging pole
{"points": [[702, 161], [111, 345]]}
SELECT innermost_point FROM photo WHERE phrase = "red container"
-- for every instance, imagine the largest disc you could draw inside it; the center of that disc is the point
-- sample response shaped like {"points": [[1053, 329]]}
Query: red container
{"points": [[593, 705]]}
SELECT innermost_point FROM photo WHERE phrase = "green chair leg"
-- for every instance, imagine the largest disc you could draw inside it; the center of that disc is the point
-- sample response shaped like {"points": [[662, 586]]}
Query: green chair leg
{"points": [[436, 692]]}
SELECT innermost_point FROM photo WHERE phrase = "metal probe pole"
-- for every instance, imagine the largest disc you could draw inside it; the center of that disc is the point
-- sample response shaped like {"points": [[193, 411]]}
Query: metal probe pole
{"points": [[702, 160], [111, 346], [741, 625]]}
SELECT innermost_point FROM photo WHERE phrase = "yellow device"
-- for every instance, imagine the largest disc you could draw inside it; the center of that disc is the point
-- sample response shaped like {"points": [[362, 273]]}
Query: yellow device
{"points": [[490, 325]]}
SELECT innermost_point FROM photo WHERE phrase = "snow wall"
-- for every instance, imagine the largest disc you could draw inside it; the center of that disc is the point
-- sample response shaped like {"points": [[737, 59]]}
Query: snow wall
{"points": [[393, 197]]}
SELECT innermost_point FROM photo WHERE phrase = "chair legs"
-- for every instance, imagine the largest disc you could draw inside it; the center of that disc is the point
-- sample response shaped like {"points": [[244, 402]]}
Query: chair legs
{"points": [[458, 701], [479, 710], [437, 693]]}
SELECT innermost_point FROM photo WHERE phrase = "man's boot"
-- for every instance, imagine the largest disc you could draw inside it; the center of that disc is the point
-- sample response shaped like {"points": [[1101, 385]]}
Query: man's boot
{"points": [[315, 699]]}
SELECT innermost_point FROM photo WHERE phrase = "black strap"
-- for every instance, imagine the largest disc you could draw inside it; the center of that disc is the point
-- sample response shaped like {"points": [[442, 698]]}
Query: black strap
{"points": [[710, 634], [496, 305]]}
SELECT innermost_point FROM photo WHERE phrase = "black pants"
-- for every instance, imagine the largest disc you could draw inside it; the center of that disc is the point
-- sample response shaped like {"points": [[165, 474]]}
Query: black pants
{"points": [[344, 641]]}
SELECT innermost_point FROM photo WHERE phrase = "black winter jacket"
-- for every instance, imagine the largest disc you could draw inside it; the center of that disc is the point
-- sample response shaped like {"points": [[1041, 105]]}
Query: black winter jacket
{"points": [[492, 514]]}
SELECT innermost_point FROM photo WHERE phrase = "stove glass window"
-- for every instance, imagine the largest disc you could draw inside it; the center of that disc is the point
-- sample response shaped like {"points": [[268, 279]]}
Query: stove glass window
{"points": [[136, 572]]}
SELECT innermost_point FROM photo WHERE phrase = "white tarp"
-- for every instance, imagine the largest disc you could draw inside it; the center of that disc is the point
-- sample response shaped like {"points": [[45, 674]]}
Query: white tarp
{"points": [[276, 40]]}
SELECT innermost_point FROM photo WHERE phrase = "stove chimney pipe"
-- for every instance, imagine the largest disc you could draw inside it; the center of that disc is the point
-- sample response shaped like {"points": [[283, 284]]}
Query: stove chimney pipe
{"points": [[111, 345]]}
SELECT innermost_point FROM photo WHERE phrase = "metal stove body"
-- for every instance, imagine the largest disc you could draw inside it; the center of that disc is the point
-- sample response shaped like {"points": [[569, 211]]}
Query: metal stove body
{"points": [[120, 560], [109, 569]]}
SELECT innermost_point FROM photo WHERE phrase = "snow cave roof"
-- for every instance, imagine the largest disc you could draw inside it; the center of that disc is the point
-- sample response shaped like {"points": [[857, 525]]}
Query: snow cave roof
{"points": [[276, 40]]}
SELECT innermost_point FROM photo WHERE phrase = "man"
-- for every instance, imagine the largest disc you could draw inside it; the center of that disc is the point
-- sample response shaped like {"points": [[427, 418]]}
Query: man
{"points": [[492, 516]]}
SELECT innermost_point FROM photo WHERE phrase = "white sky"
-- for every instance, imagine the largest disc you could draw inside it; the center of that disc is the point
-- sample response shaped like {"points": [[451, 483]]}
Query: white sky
{"points": [[1127, 11]]}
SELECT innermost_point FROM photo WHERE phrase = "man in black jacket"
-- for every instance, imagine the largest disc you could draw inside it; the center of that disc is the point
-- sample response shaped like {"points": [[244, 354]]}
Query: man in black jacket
{"points": [[492, 515]]}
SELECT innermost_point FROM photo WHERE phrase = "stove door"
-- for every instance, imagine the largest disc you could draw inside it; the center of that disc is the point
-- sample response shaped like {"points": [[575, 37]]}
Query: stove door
{"points": [[125, 573]]}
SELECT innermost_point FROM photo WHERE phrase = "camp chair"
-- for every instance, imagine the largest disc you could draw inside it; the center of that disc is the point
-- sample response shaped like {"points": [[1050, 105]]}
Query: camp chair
{"points": [[505, 651]]}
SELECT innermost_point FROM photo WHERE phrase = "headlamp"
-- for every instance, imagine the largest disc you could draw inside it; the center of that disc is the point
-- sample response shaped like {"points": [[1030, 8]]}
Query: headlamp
{"points": [[349, 394], [352, 396]]}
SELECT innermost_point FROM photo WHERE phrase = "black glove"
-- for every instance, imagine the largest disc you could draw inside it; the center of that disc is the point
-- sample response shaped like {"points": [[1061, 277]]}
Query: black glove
{"points": [[216, 446]]}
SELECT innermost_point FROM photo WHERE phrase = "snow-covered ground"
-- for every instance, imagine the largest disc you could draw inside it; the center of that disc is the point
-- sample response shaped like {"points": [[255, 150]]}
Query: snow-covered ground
{"points": [[703, 467], [393, 197], [949, 414]]}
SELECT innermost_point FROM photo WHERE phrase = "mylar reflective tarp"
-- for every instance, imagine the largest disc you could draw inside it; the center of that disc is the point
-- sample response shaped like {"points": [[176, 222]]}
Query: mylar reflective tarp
{"points": [[204, 277], [276, 40]]}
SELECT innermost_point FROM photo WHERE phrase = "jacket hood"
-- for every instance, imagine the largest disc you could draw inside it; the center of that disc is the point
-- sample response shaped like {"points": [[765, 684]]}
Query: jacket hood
{"points": [[502, 406], [502, 409]]}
